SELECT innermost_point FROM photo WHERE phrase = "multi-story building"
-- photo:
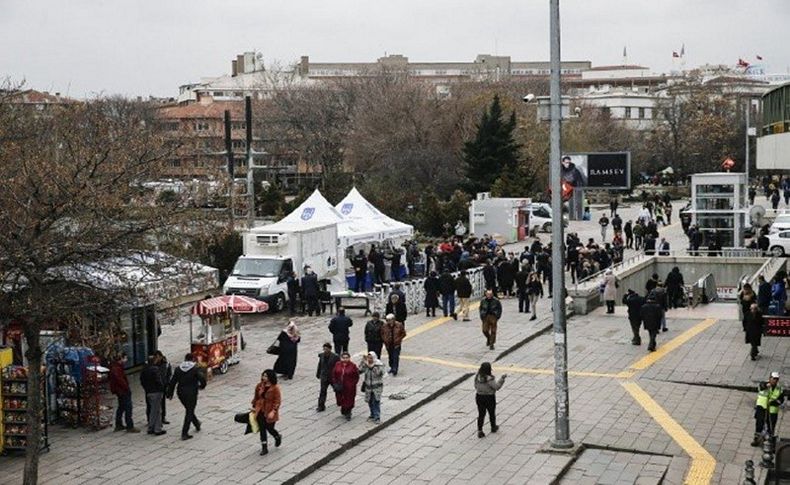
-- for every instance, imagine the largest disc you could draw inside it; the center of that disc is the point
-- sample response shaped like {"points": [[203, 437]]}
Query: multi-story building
{"points": [[199, 130], [248, 76]]}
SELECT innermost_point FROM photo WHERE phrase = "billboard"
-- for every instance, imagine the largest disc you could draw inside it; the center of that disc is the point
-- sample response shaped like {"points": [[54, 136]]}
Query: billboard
{"points": [[610, 170]]}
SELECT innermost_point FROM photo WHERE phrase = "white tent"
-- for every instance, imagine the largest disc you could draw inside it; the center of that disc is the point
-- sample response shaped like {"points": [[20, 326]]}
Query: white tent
{"points": [[357, 209], [317, 209]]}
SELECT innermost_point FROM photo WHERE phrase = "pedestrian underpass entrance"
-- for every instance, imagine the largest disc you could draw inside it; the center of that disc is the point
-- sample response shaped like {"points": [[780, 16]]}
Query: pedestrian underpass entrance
{"points": [[714, 277]]}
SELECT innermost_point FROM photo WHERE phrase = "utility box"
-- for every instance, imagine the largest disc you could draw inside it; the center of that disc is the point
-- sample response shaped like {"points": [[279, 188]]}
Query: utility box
{"points": [[512, 219], [719, 207]]}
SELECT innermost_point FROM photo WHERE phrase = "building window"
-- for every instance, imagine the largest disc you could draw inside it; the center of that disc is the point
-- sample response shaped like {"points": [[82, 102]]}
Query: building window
{"points": [[218, 94], [239, 144], [238, 125], [238, 94], [627, 113], [641, 113], [201, 126], [174, 162]]}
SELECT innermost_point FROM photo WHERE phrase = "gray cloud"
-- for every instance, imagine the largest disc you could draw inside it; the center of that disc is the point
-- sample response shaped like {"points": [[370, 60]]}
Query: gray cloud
{"points": [[145, 47]]}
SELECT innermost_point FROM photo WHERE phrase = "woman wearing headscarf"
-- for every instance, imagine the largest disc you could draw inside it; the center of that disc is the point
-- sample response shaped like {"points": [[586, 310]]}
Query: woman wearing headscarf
{"points": [[486, 387], [372, 370], [289, 341], [266, 405], [345, 376]]}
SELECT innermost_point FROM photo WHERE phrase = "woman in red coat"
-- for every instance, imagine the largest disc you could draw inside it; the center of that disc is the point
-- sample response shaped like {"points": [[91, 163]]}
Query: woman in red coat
{"points": [[345, 376]]}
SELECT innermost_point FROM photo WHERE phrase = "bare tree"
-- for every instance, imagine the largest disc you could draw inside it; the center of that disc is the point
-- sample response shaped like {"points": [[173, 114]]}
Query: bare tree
{"points": [[66, 211]]}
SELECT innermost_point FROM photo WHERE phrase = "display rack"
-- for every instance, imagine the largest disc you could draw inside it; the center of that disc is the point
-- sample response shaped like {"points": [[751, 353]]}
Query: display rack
{"points": [[94, 413], [13, 380], [67, 394]]}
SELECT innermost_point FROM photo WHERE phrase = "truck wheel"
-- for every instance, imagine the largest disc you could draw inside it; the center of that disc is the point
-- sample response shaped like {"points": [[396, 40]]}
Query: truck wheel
{"points": [[547, 227], [778, 251], [223, 367], [279, 303]]}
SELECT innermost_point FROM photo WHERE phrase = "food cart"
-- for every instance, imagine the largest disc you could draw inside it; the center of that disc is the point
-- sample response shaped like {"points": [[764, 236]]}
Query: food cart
{"points": [[216, 343]]}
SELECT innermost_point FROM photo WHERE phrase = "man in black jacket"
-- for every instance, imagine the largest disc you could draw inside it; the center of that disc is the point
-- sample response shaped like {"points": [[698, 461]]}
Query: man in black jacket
{"points": [[447, 290], [489, 275], [674, 282], [521, 289], [360, 264], [763, 294], [326, 362], [151, 380], [339, 327], [166, 372], [373, 334], [310, 291], [652, 314], [634, 302], [463, 288], [189, 378]]}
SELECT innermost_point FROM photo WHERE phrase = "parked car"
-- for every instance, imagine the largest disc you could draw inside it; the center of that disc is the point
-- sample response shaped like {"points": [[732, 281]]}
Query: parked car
{"points": [[779, 243], [781, 223]]}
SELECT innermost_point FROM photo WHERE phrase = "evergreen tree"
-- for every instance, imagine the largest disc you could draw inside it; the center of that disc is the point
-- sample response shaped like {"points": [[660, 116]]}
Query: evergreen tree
{"points": [[493, 152]]}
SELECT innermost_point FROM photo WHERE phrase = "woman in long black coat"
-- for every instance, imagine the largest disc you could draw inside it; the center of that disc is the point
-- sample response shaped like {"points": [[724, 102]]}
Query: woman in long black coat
{"points": [[286, 361], [431, 287], [753, 325]]}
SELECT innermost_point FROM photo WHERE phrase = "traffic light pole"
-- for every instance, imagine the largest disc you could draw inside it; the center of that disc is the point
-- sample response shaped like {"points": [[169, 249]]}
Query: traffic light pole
{"points": [[562, 438]]}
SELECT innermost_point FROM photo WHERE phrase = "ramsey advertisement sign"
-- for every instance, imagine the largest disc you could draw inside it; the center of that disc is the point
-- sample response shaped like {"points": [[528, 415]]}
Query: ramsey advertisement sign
{"points": [[600, 170]]}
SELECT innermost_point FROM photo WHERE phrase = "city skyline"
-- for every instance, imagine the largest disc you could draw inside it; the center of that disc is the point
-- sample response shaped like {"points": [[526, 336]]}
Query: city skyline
{"points": [[85, 48]]}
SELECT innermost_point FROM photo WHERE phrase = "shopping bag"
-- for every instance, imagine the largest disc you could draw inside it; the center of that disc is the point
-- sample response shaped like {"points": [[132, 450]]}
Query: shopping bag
{"points": [[253, 417]]}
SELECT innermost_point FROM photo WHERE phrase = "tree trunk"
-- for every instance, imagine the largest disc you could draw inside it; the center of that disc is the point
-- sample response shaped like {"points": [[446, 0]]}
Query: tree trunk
{"points": [[33, 355]]}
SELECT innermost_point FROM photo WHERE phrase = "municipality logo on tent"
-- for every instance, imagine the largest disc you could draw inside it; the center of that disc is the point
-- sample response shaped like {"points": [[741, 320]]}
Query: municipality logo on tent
{"points": [[347, 208], [307, 213]]}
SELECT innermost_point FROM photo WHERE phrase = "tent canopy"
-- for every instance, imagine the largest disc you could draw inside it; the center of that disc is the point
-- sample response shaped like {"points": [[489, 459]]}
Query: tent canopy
{"points": [[355, 207], [318, 210]]}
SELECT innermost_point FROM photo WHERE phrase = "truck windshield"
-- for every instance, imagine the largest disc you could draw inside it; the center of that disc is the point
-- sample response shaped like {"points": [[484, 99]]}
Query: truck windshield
{"points": [[257, 267]]}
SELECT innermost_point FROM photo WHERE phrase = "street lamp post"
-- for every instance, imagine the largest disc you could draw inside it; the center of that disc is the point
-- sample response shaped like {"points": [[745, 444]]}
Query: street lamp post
{"points": [[562, 438]]}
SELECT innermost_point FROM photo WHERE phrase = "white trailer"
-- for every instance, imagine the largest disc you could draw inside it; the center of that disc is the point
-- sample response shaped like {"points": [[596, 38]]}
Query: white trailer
{"points": [[271, 253]]}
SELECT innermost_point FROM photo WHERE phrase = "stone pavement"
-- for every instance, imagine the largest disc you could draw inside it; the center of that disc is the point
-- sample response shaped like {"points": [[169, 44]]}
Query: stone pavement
{"points": [[641, 419]]}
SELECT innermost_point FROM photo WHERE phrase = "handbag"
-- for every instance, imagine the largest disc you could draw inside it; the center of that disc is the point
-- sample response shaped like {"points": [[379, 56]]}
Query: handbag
{"points": [[364, 387], [274, 348], [337, 387]]}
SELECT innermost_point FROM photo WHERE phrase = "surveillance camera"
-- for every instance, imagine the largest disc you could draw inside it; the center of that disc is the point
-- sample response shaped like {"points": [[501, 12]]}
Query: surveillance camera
{"points": [[577, 110], [528, 98]]}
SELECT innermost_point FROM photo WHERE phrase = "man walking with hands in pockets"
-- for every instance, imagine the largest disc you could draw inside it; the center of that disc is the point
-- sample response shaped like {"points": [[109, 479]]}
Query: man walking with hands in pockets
{"points": [[490, 313]]}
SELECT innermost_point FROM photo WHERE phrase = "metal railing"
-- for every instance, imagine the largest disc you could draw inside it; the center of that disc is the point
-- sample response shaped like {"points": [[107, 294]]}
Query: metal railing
{"points": [[415, 292]]}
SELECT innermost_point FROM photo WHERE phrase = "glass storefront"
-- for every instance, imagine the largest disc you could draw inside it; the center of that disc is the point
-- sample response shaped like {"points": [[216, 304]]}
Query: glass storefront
{"points": [[139, 329]]}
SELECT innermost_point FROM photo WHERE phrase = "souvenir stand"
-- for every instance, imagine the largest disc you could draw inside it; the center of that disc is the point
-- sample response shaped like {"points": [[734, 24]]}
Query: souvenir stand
{"points": [[14, 411]]}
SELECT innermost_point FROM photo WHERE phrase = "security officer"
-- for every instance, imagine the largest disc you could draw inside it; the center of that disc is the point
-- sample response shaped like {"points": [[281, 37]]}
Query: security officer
{"points": [[769, 397]]}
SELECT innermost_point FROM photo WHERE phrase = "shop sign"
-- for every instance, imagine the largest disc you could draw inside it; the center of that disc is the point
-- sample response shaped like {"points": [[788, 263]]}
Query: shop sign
{"points": [[777, 326]]}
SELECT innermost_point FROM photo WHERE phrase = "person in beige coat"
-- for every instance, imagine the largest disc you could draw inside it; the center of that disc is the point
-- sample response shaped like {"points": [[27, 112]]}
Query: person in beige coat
{"points": [[609, 290]]}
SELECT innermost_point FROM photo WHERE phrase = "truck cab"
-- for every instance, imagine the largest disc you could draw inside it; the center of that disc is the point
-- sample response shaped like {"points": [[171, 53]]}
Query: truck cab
{"points": [[261, 277]]}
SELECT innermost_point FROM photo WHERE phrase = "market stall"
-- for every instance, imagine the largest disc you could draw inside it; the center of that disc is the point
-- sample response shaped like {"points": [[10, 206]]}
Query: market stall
{"points": [[216, 343]]}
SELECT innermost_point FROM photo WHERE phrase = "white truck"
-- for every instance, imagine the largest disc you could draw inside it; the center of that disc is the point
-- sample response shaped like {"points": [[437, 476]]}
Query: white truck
{"points": [[271, 253]]}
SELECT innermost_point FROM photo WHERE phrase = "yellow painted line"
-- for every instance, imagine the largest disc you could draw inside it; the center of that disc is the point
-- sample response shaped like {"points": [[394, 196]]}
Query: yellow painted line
{"points": [[702, 463], [435, 323], [509, 368], [668, 347]]}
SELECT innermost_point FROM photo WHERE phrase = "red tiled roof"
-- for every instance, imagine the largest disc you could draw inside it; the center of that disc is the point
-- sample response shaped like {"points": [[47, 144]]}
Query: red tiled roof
{"points": [[31, 96], [215, 110]]}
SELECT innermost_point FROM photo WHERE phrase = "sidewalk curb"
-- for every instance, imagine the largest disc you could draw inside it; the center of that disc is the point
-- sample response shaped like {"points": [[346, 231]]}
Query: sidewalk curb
{"points": [[348, 445]]}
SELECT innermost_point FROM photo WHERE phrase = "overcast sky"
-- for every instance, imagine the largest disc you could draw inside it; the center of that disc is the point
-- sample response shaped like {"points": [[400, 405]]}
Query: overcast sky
{"points": [[141, 47]]}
